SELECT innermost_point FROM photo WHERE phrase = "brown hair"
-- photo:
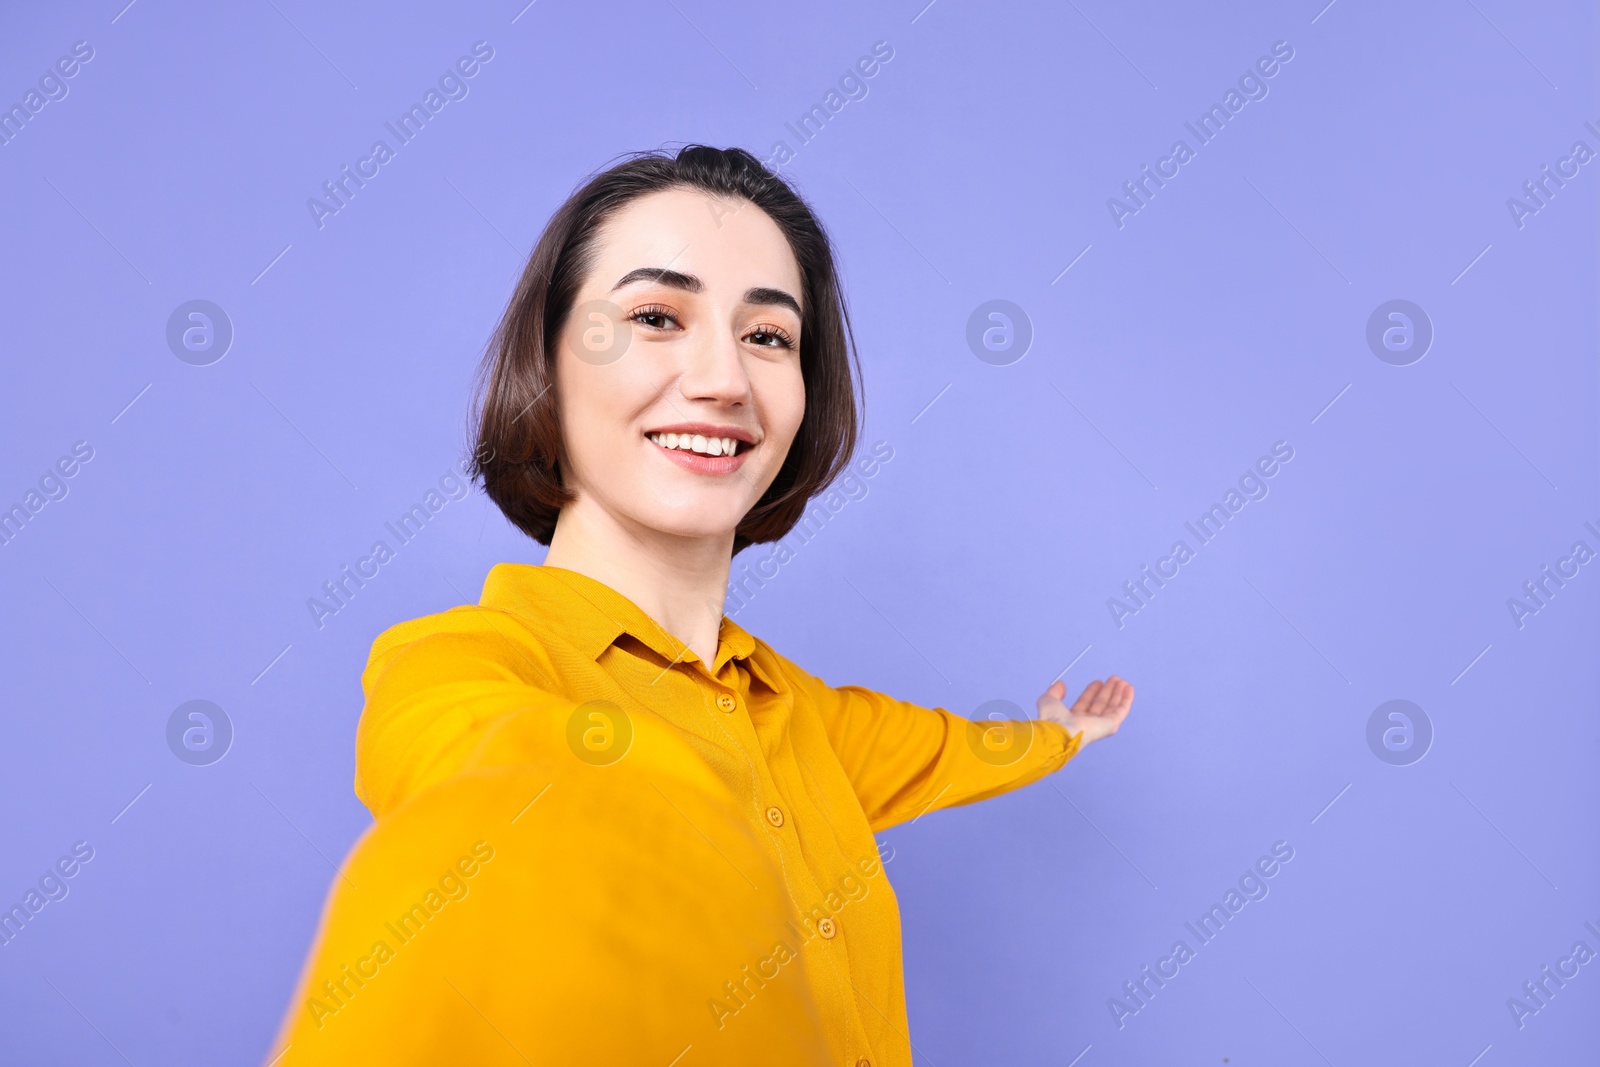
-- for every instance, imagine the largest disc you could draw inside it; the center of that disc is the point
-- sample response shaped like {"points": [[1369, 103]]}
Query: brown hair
{"points": [[520, 451]]}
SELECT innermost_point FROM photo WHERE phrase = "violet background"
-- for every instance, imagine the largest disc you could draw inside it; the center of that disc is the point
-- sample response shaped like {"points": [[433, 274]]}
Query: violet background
{"points": [[1228, 314]]}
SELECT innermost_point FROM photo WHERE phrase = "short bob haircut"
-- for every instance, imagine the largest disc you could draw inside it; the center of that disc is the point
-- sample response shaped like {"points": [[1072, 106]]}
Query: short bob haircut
{"points": [[520, 452]]}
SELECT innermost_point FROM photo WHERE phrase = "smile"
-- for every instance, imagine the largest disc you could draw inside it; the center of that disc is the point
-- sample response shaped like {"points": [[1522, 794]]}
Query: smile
{"points": [[703, 447], [699, 443]]}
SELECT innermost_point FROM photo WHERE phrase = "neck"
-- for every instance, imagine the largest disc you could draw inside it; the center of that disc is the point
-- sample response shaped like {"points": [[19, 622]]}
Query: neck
{"points": [[680, 582]]}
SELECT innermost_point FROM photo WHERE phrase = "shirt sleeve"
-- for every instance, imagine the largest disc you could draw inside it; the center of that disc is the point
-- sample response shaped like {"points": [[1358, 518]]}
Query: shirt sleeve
{"points": [[903, 759], [433, 692], [642, 878]]}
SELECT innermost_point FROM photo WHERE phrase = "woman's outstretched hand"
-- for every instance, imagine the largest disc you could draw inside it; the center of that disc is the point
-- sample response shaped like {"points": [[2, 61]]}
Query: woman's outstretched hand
{"points": [[1098, 712]]}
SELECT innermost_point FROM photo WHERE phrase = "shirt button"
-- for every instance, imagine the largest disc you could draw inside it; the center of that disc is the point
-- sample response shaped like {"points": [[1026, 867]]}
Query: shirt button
{"points": [[863, 1062], [775, 816], [726, 702], [827, 927]]}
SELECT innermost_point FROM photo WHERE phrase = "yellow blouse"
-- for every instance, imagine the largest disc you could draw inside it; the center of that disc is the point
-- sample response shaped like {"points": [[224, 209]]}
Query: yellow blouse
{"points": [[555, 681]]}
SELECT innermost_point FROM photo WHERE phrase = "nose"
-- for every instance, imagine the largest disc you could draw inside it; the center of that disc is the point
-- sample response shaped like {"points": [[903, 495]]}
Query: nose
{"points": [[713, 370]]}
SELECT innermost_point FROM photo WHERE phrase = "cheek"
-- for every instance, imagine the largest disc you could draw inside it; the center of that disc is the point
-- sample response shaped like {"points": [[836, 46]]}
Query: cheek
{"points": [[600, 404], [781, 393]]}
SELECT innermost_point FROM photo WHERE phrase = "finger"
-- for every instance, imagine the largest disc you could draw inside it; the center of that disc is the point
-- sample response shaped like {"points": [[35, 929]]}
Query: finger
{"points": [[1104, 698], [1081, 705], [1124, 702]]}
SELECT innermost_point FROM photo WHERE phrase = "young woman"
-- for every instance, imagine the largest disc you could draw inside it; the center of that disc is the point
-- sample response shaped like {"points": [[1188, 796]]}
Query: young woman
{"points": [[671, 382]]}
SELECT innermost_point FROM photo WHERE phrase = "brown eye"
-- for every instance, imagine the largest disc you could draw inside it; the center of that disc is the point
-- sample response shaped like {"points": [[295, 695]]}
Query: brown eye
{"points": [[654, 317], [770, 337]]}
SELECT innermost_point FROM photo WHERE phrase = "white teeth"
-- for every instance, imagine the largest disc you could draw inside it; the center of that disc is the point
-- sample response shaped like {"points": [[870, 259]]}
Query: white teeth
{"points": [[706, 446]]}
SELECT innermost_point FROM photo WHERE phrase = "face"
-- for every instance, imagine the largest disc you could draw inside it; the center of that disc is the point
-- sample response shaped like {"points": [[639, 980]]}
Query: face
{"points": [[679, 368]]}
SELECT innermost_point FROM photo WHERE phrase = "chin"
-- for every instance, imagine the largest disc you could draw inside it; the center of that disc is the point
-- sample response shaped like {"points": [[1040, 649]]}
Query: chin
{"points": [[692, 523]]}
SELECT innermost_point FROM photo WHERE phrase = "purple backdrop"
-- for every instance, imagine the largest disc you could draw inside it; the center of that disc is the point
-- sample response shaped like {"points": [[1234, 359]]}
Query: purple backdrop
{"points": [[1378, 256]]}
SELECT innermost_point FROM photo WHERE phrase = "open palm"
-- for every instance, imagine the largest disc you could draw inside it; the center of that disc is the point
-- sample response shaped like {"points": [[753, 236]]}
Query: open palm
{"points": [[1097, 712]]}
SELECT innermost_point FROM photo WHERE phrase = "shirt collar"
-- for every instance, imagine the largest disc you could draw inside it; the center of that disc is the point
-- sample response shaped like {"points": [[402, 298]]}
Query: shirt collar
{"points": [[592, 615]]}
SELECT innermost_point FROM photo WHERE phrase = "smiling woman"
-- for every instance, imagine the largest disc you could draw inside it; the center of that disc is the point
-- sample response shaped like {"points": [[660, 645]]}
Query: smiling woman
{"points": [[672, 381]]}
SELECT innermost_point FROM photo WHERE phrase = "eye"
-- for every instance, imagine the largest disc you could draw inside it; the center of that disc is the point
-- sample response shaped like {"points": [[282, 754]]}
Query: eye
{"points": [[655, 316], [770, 337]]}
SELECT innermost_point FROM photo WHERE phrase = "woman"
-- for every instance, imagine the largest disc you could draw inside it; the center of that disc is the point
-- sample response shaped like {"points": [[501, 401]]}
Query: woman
{"points": [[671, 382]]}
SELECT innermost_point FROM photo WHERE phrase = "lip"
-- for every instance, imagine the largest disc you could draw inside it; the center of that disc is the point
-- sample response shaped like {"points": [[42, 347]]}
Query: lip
{"points": [[699, 464], [707, 429]]}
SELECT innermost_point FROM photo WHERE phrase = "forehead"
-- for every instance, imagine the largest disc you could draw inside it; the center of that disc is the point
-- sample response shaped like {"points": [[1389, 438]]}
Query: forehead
{"points": [[728, 242]]}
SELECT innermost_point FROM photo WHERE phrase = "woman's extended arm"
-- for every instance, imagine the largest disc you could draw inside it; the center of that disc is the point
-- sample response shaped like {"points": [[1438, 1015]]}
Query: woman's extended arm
{"points": [[904, 759], [471, 925]]}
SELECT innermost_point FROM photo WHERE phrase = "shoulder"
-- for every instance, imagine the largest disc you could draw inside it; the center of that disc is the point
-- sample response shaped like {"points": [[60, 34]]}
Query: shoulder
{"points": [[784, 673], [466, 634], [463, 620], [848, 700]]}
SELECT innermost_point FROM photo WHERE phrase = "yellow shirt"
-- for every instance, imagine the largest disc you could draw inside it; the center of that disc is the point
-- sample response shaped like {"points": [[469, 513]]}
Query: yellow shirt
{"points": [[799, 775]]}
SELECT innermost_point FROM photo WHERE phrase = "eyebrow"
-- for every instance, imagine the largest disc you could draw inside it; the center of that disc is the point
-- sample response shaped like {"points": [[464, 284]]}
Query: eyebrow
{"points": [[689, 283]]}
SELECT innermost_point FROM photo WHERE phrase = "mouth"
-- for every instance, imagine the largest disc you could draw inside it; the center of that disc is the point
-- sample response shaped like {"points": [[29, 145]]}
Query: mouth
{"points": [[704, 448]]}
